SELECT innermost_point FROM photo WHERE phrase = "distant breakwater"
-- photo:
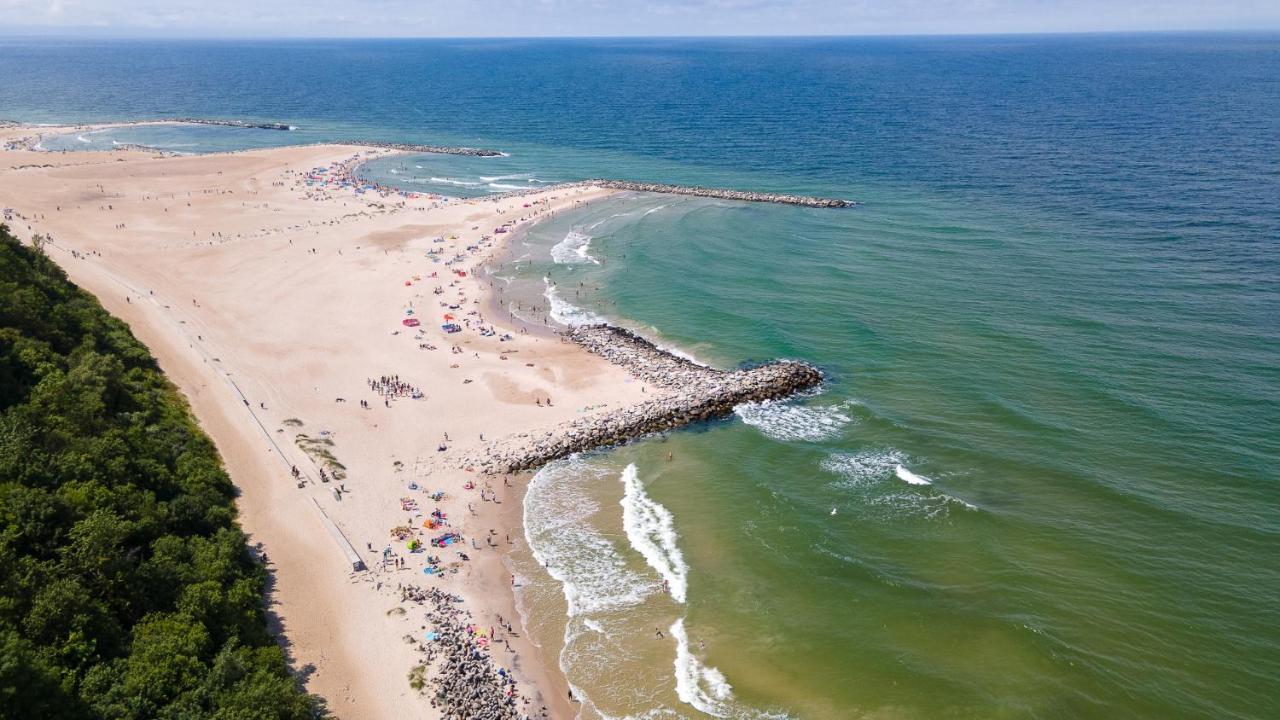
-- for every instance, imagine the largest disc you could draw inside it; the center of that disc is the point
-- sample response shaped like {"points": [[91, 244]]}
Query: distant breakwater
{"points": [[692, 190], [723, 194], [690, 393], [409, 147], [233, 123]]}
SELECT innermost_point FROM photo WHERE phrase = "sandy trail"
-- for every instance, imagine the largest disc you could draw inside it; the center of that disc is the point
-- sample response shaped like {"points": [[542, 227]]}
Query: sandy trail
{"points": [[270, 302]]}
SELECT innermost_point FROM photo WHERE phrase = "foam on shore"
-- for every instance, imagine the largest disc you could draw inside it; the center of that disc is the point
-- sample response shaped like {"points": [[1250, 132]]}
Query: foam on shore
{"points": [[565, 312], [591, 572]]}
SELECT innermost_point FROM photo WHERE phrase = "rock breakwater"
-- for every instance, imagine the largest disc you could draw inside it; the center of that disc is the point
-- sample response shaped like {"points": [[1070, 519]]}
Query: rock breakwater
{"points": [[692, 190], [689, 393], [437, 149], [723, 194], [233, 123]]}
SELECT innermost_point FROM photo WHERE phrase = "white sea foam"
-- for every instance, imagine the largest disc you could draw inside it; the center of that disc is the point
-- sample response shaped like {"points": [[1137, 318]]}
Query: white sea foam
{"points": [[909, 477], [651, 530], [598, 223], [869, 473], [451, 181], [703, 687], [394, 171], [572, 250], [83, 139], [788, 421], [650, 211], [565, 312], [864, 468], [495, 178], [593, 575], [505, 186]]}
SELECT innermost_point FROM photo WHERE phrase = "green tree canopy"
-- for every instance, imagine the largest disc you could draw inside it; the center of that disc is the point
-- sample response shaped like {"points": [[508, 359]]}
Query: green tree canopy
{"points": [[126, 588]]}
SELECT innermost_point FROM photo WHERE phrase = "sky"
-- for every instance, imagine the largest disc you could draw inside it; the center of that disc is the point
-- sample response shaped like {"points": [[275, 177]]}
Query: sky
{"points": [[577, 18]]}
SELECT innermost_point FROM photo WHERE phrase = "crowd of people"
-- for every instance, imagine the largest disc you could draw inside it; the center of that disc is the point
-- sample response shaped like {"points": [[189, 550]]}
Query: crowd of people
{"points": [[391, 386]]}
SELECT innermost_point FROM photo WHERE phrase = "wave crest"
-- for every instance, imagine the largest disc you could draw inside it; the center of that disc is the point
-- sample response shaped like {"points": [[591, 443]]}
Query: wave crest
{"points": [[651, 530]]}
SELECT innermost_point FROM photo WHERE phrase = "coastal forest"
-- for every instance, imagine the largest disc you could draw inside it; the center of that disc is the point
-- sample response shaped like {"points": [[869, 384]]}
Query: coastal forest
{"points": [[126, 587]]}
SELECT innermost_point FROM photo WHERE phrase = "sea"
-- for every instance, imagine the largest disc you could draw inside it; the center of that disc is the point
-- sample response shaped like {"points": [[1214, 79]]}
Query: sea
{"points": [[1042, 478]]}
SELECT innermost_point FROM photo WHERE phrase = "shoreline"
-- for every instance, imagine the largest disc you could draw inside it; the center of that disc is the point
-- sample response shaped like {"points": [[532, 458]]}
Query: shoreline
{"points": [[609, 183], [255, 336]]}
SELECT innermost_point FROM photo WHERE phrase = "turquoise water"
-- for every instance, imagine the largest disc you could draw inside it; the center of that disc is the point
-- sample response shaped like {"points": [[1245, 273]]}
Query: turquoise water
{"points": [[1100, 481], [1058, 306]]}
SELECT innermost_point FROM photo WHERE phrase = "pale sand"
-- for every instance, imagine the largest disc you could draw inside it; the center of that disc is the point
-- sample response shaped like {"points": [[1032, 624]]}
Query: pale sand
{"points": [[294, 330]]}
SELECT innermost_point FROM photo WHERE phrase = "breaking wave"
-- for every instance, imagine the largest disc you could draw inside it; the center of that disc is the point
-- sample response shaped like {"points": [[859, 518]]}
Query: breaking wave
{"points": [[703, 687], [591, 572], [565, 312], [451, 181], [788, 421], [651, 530], [572, 250], [870, 473], [864, 468], [910, 478]]}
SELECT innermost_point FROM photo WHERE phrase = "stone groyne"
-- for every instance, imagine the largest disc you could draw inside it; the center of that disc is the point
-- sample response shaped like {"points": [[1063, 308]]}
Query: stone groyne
{"points": [[687, 393], [409, 147], [723, 194], [233, 123], [693, 190]]}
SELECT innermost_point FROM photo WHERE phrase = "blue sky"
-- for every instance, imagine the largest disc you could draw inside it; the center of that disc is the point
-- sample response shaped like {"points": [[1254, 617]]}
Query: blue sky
{"points": [[526, 18]]}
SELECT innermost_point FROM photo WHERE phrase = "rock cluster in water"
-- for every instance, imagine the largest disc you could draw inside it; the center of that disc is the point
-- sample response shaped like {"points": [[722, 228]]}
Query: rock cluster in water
{"points": [[689, 393]]}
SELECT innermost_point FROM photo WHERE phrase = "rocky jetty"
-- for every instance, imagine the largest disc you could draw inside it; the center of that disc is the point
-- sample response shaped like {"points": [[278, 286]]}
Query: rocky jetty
{"points": [[437, 149], [693, 190], [233, 123], [723, 194], [687, 393], [144, 148]]}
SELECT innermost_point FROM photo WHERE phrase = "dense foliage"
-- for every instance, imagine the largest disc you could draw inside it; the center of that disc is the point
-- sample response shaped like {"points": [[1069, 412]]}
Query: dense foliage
{"points": [[126, 589]]}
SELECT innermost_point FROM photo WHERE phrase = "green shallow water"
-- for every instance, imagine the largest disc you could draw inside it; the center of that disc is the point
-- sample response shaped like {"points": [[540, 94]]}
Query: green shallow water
{"points": [[1099, 536]]}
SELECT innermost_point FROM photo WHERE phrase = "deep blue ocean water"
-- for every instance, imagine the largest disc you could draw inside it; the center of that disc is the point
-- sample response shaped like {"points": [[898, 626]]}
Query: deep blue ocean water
{"points": [[1059, 303]]}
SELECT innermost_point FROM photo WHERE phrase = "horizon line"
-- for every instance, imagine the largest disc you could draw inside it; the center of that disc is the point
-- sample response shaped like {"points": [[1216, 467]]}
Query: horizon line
{"points": [[131, 34]]}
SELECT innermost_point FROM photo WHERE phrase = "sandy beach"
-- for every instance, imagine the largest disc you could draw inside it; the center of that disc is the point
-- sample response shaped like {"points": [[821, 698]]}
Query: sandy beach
{"points": [[278, 298]]}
